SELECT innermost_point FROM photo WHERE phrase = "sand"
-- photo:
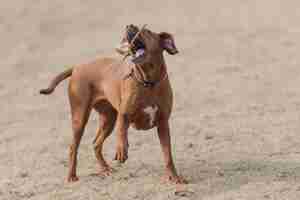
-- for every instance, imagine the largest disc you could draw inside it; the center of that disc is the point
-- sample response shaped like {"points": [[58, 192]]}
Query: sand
{"points": [[235, 124]]}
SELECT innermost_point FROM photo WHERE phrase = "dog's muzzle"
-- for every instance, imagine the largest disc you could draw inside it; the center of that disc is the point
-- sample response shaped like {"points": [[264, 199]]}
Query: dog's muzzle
{"points": [[128, 46], [136, 52]]}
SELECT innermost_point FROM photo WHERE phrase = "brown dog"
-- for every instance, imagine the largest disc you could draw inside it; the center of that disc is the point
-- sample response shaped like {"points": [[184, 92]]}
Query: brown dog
{"points": [[134, 94]]}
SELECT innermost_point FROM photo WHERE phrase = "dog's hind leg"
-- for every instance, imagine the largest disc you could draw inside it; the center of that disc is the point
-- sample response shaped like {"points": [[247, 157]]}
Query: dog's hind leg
{"points": [[107, 119], [80, 109]]}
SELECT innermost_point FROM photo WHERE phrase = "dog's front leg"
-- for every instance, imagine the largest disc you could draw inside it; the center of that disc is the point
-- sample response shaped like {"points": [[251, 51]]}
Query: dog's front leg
{"points": [[122, 138], [165, 142]]}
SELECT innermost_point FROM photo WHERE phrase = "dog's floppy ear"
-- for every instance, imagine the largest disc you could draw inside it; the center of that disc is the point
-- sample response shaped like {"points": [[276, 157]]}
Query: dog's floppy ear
{"points": [[167, 43]]}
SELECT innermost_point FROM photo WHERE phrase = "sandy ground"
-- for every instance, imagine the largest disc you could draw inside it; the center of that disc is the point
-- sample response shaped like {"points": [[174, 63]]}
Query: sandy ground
{"points": [[235, 125]]}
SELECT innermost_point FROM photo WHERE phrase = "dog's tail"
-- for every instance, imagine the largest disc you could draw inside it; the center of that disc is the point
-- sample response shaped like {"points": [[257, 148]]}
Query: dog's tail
{"points": [[59, 78]]}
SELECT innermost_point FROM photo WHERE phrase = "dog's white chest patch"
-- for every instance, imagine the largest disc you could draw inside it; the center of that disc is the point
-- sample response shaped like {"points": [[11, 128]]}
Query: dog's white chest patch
{"points": [[151, 112]]}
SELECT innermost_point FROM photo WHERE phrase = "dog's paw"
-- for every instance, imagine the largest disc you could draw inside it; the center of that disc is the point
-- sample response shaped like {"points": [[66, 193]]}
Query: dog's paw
{"points": [[107, 171], [174, 179], [122, 153], [72, 179]]}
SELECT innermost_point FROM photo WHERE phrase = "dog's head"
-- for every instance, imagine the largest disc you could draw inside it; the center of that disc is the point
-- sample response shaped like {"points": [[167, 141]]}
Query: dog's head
{"points": [[152, 43]]}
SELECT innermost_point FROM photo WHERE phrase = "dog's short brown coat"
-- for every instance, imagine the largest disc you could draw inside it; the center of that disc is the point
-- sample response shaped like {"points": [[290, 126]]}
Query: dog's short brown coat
{"points": [[107, 85]]}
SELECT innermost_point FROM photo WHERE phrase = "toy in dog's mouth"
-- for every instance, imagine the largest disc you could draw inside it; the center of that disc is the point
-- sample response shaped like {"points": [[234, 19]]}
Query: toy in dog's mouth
{"points": [[132, 45]]}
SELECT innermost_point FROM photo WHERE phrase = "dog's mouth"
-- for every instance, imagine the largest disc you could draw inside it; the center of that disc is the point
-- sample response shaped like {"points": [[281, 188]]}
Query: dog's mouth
{"points": [[132, 44], [131, 35]]}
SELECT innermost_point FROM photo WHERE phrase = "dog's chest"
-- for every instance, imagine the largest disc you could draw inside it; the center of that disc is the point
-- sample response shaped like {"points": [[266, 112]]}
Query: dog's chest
{"points": [[145, 117], [144, 105], [141, 105]]}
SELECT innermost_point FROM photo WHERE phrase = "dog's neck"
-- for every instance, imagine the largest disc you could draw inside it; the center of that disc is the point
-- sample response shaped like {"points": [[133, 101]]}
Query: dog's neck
{"points": [[152, 71]]}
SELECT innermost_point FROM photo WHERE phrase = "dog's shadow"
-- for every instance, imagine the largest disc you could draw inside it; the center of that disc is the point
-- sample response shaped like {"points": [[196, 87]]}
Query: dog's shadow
{"points": [[224, 176]]}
